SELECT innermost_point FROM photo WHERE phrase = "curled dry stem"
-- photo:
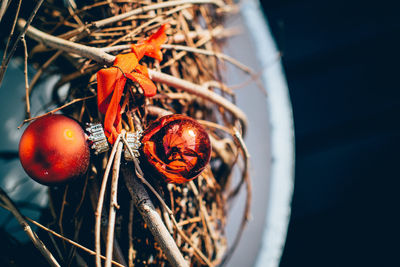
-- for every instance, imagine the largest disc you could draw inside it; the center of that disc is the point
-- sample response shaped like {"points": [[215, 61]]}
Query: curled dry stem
{"points": [[246, 179], [204, 214]]}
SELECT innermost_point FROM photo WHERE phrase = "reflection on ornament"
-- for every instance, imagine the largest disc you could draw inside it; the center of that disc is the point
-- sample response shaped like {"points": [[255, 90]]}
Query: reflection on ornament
{"points": [[177, 147]]}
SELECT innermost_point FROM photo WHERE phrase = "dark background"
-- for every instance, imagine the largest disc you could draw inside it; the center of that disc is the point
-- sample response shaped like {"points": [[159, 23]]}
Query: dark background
{"points": [[341, 60]]}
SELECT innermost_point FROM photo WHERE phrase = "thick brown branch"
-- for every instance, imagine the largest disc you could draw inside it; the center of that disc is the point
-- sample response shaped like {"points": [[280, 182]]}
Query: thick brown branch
{"points": [[199, 91], [146, 208], [68, 46]]}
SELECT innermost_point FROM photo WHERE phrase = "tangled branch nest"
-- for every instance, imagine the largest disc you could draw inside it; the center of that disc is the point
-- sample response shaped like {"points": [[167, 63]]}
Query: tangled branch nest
{"points": [[75, 41]]}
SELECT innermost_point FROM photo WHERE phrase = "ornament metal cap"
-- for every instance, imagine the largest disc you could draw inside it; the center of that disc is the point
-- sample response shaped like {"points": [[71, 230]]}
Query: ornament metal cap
{"points": [[97, 137], [133, 140]]}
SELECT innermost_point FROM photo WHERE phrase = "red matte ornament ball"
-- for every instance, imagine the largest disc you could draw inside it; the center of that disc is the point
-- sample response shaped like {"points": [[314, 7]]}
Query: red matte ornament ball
{"points": [[53, 150], [177, 147]]}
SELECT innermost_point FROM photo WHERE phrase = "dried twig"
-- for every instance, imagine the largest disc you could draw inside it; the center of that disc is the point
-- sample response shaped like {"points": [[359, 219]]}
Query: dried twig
{"points": [[39, 72], [246, 179], [67, 46], [204, 214], [104, 22], [61, 213], [28, 106], [131, 251], [28, 230], [212, 53], [113, 205], [100, 202], [199, 91], [57, 109], [91, 252], [152, 218], [3, 8], [12, 31], [216, 33], [5, 62]]}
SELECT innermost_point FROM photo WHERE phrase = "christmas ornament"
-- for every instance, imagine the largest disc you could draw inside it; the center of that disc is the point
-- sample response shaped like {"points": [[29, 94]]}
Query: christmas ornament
{"points": [[177, 147], [53, 149]]}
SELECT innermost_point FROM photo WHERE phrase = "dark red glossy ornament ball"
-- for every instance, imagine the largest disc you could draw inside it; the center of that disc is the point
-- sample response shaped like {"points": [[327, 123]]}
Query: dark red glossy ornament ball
{"points": [[53, 150], [177, 147]]}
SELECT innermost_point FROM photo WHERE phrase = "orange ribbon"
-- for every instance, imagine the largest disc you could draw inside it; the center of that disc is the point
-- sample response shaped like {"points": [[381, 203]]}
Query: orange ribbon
{"points": [[111, 81]]}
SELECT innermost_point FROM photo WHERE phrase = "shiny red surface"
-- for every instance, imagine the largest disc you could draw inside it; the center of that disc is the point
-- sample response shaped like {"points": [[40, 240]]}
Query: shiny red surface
{"points": [[177, 147], [53, 149]]}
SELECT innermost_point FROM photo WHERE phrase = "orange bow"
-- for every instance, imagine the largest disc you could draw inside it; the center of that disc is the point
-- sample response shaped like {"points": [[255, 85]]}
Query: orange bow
{"points": [[111, 81]]}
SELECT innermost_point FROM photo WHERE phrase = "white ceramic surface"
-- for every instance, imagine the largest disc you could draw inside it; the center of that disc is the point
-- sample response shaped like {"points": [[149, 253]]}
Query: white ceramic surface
{"points": [[270, 141]]}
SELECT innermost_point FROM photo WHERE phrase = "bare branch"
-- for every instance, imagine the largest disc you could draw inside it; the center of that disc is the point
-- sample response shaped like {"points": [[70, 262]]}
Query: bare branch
{"points": [[57, 109], [113, 205], [152, 218], [68, 46], [246, 179], [199, 91], [91, 252], [5, 62], [100, 202], [3, 8], [28, 105], [212, 53], [28, 230], [12, 32]]}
